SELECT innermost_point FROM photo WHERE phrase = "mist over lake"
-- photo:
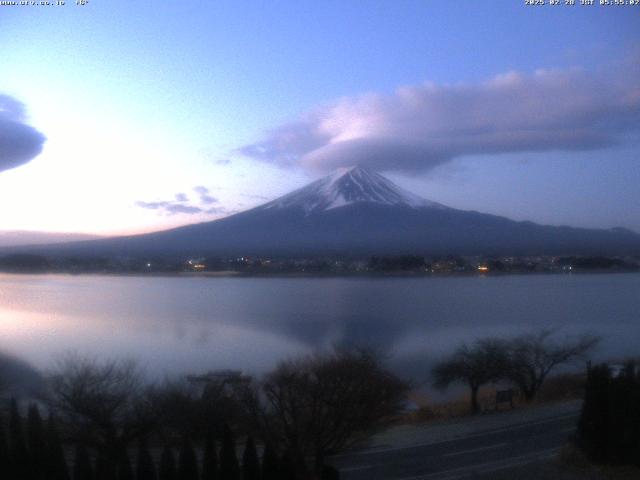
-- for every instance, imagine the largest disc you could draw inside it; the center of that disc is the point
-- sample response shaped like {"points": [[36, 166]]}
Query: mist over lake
{"points": [[175, 325]]}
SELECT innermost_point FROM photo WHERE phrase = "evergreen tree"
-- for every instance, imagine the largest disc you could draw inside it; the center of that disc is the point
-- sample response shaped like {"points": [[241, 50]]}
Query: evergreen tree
{"points": [[19, 464], [250, 465], [592, 425], [56, 467], [124, 471], [4, 449], [609, 425], [229, 467], [146, 469], [329, 473], [82, 464], [287, 466], [187, 462], [210, 459], [36, 442], [105, 470], [167, 469], [270, 464]]}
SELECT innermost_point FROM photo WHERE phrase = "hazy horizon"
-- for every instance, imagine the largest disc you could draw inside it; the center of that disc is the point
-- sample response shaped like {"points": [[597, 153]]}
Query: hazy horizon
{"points": [[11, 238]]}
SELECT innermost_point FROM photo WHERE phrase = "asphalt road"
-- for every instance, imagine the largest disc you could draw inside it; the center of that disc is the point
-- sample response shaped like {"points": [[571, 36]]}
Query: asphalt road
{"points": [[466, 457]]}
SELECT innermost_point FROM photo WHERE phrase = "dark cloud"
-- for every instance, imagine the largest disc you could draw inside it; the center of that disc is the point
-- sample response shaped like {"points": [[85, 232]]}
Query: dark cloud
{"points": [[19, 142], [420, 127]]}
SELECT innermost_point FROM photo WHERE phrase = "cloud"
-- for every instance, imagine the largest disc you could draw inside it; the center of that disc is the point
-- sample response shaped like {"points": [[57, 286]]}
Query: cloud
{"points": [[180, 204], [420, 127], [178, 208], [19, 142], [220, 210], [170, 208], [203, 193], [254, 197]]}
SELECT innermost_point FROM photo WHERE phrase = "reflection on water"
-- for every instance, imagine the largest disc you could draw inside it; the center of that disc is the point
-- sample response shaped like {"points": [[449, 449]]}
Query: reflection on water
{"points": [[174, 324]]}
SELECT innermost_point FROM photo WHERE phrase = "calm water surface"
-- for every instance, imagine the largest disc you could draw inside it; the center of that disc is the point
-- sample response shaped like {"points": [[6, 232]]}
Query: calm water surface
{"points": [[175, 325]]}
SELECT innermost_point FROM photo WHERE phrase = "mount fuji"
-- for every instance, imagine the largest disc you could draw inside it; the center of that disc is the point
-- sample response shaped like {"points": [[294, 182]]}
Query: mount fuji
{"points": [[355, 212], [348, 186]]}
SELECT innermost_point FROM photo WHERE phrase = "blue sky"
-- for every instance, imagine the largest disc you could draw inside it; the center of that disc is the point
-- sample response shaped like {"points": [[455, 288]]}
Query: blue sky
{"points": [[158, 114]]}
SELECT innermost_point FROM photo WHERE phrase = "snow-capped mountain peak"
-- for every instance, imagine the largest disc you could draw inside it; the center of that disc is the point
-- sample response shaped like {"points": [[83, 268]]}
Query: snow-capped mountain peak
{"points": [[347, 186]]}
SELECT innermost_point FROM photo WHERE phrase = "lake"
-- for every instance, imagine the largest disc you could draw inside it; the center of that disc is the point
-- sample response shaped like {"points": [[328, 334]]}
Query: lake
{"points": [[175, 325]]}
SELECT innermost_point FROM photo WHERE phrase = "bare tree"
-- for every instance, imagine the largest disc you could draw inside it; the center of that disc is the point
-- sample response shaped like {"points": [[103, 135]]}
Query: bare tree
{"points": [[476, 365], [318, 405], [533, 356], [184, 409], [177, 406], [100, 402]]}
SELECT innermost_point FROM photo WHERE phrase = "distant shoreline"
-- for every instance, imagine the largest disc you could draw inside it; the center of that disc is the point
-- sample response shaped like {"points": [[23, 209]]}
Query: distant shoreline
{"points": [[237, 274]]}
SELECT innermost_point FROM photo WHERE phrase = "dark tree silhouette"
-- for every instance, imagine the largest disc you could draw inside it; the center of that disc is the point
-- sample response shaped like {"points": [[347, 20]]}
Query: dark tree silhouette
{"points": [[229, 468], [101, 401], [105, 468], [533, 356], [210, 459], [318, 405], [270, 464], [125, 470], [290, 468], [167, 470], [187, 462], [56, 468], [19, 462], [178, 409], [483, 362], [250, 464], [182, 409], [82, 464], [330, 473], [609, 425], [4, 449], [36, 442], [145, 468]]}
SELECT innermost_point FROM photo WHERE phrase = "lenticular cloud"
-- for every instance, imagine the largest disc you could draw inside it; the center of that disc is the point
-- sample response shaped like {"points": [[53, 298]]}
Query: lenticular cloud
{"points": [[19, 142], [420, 127]]}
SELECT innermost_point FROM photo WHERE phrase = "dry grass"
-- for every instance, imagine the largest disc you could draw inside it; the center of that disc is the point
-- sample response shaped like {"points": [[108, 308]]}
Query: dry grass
{"points": [[459, 407], [559, 388], [568, 386]]}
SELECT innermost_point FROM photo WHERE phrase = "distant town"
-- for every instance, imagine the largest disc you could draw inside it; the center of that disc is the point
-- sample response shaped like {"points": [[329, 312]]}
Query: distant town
{"points": [[385, 265]]}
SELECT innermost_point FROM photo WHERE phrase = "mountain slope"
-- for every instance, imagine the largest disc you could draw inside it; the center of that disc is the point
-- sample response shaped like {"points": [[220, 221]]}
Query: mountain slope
{"points": [[355, 212]]}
